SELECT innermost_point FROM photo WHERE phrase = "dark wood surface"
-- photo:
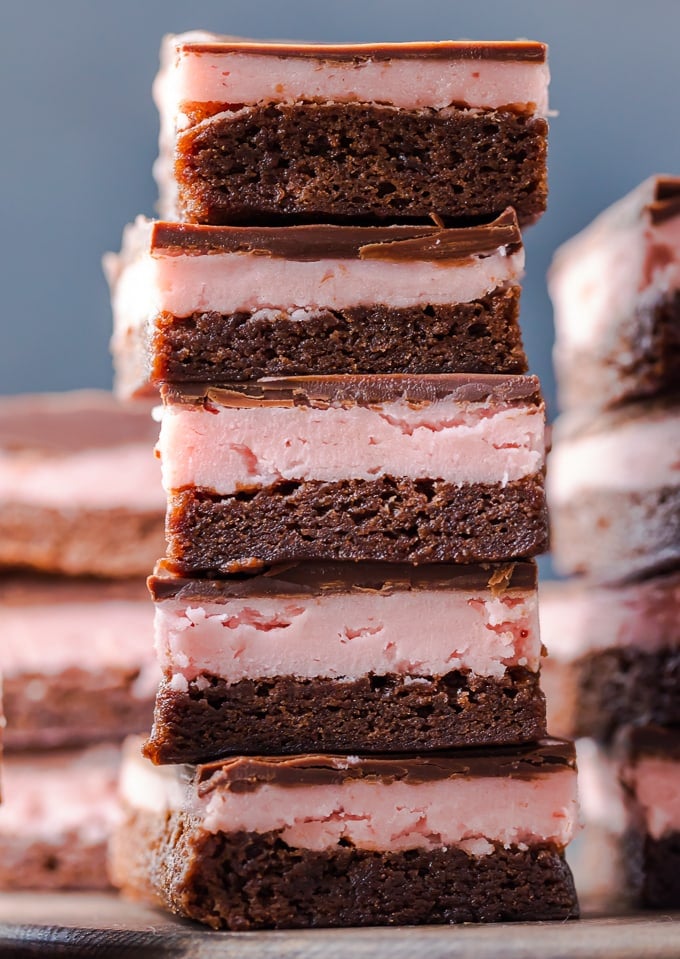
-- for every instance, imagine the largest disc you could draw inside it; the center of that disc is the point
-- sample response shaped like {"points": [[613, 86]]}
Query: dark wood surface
{"points": [[90, 925]]}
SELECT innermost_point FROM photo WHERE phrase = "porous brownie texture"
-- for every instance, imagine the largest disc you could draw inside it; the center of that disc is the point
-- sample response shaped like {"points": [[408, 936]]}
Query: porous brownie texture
{"points": [[621, 686], [482, 336], [640, 358], [243, 881], [391, 519], [359, 162], [80, 542], [611, 535], [75, 707], [371, 714]]}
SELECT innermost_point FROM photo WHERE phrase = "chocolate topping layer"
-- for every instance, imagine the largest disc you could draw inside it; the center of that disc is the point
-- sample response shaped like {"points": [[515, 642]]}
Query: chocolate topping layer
{"points": [[58, 423], [246, 774], [43, 590], [313, 243], [666, 199], [310, 579], [354, 390], [660, 742], [520, 50]]}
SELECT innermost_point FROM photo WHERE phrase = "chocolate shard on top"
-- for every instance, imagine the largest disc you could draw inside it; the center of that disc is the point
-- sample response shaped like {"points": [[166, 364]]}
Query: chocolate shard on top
{"points": [[246, 774], [318, 242], [354, 390], [665, 202]]}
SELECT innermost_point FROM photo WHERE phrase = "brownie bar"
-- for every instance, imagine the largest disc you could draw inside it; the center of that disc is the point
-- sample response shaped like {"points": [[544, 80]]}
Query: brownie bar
{"points": [[371, 714], [390, 519], [57, 813], [641, 358], [239, 303], [650, 775], [337, 840], [244, 881], [360, 162], [80, 491], [616, 291], [481, 336]]}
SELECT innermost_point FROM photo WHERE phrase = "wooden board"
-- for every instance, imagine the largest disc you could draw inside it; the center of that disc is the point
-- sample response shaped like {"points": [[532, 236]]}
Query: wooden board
{"points": [[91, 925]]}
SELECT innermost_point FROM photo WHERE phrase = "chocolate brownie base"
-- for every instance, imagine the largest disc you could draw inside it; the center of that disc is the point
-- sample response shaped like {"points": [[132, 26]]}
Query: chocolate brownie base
{"points": [[621, 686], [653, 867], [392, 519], [639, 359], [482, 336], [80, 542], [359, 163], [613, 536], [371, 714], [69, 863], [72, 708], [242, 881]]}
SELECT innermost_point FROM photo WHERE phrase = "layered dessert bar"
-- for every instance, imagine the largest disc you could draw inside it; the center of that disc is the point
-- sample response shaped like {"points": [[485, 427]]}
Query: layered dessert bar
{"points": [[329, 840], [58, 812], [616, 292], [411, 469], [77, 660], [613, 655], [337, 657], [614, 492], [651, 780], [254, 131], [80, 490], [207, 304]]}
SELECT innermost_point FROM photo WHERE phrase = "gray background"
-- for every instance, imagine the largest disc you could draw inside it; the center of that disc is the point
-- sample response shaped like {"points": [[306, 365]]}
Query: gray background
{"points": [[79, 138]]}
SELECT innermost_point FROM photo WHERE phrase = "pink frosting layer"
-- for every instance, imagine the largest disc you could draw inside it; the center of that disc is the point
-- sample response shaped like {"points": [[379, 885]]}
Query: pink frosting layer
{"points": [[643, 615], [125, 476], [472, 813], [348, 635], [638, 454], [656, 784], [231, 449], [47, 797], [229, 282], [48, 639], [248, 78]]}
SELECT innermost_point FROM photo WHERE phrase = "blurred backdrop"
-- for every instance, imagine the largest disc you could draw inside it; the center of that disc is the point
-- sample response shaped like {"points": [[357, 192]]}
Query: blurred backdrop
{"points": [[79, 138]]}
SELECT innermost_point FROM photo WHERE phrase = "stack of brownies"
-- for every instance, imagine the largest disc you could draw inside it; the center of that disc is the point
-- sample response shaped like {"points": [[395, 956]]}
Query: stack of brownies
{"points": [[81, 516], [350, 728], [614, 493]]}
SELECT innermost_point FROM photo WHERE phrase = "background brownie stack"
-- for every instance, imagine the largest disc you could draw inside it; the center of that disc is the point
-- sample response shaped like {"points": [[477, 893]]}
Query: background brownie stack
{"points": [[353, 458], [614, 493], [80, 518]]}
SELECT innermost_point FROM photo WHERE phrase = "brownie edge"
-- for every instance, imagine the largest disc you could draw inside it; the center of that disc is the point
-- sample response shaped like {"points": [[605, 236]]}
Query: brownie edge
{"points": [[245, 881]]}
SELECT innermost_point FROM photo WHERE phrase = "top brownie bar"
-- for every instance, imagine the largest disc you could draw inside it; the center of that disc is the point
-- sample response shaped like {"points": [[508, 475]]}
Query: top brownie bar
{"points": [[277, 132]]}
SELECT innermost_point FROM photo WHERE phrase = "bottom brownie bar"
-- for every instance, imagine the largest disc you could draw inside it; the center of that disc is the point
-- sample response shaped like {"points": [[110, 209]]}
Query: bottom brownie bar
{"points": [[651, 780], [57, 813], [315, 841]]}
